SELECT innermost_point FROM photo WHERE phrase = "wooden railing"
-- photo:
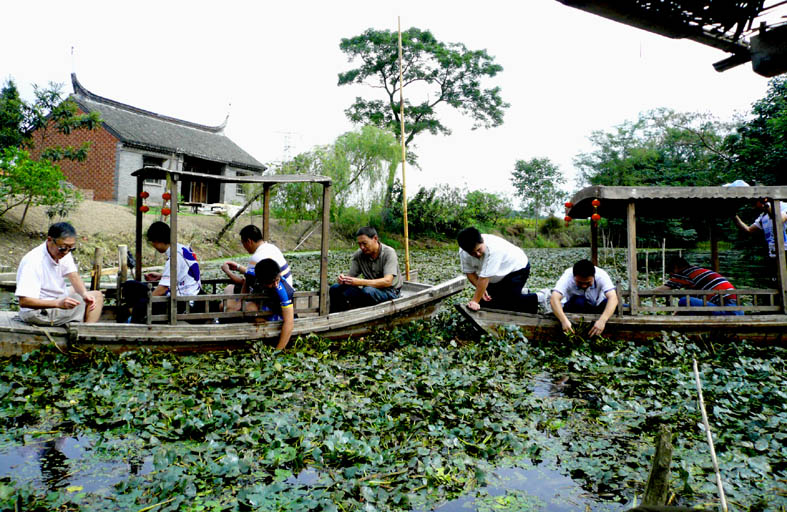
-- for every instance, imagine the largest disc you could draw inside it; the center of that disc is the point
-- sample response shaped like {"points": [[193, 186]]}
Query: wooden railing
{"points": [[749, 301]]}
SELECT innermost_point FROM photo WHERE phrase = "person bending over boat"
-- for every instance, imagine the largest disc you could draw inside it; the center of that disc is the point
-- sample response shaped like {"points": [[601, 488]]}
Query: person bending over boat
{"points": [[764, 224], [268, 276], [378, 264], [44, 298], [498, 269], [259, 249], [584, 288], [683, 275], [188, 276]]}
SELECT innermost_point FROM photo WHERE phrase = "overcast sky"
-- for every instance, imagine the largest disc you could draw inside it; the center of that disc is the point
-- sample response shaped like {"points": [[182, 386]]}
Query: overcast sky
{"points": [[565, 72]]}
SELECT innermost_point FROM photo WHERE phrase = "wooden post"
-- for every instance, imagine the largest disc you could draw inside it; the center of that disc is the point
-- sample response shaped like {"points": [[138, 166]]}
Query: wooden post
{"points": [[122, 274], [326, 228], [138, 241], [266, 212], [663, 259], [781, 261], [404, 181], [657, 488], [594, 242], [172, 182], [714, 249], [98, 262], [631, 220]]}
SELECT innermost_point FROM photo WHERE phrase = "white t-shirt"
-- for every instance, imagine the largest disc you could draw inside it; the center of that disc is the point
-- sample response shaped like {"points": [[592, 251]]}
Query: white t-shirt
{"points": [[500, 259], [188, 271], [41, 277], [765, 223], [594, 294], [267, 250]]}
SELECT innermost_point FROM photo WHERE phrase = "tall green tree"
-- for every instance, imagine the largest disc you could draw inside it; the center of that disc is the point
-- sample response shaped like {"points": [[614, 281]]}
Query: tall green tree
{"points": [[759, 144], [434, 74], [537, 183], [26, 126], [12, 116], [662, 147]]}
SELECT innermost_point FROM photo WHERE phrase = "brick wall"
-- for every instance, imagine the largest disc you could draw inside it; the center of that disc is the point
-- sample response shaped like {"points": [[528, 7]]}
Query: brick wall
{"points": [[97, 173]]}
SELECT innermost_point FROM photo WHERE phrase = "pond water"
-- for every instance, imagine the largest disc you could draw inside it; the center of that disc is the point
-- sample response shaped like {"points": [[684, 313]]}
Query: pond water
{"points": [[535, 488], [58, 463]]}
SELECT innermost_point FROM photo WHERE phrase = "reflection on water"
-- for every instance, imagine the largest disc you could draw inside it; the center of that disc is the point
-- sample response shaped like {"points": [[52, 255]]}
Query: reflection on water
{"points": [[64, 462], [529, 488]]}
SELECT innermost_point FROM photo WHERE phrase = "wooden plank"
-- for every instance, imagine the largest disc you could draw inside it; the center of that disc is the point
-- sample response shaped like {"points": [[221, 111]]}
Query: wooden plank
{"points": [[172, 181], [631, 222], [266, 212], [325, 236], [781, 261]]}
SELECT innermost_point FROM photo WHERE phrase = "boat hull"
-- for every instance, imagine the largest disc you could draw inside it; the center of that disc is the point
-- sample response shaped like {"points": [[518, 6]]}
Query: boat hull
{"points": [[17, 337], [761, 329]]}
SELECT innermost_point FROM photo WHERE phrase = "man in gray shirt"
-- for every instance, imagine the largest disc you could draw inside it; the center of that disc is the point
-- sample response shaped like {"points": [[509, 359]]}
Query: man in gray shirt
{"points": [[379, 266]]}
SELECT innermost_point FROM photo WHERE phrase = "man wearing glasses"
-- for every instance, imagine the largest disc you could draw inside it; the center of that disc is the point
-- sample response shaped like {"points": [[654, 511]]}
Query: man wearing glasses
{"points": [[41, 288]]}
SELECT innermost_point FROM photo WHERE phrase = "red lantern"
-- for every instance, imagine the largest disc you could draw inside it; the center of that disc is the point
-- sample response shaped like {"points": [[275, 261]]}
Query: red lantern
{"points": [[165, 211], [166, 196], [596, 217], [144, 208], [569, 204], [144, 194], [567, 218], [595, 203]]}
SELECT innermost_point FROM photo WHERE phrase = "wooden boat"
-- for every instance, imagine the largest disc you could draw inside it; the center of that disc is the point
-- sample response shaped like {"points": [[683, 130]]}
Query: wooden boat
{"points": [[191, 331], [645, 313]]}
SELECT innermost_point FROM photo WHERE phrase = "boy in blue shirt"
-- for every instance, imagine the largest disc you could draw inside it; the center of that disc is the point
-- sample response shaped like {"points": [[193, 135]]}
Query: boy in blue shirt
{"points": [[267, 276]]}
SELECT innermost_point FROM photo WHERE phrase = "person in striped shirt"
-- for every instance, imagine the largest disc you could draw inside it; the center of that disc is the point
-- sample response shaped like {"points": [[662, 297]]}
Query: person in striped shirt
{"points": [[692, 277]]}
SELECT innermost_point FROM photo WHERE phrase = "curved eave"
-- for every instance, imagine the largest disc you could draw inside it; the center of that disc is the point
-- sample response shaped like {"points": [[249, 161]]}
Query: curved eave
{"points": [[669, 202], [161, 173]]}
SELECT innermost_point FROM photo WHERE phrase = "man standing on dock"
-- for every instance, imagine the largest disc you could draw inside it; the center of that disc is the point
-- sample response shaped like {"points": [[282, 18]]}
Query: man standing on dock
{"points": [[379, 266], [40, 283], [498, 269], [584, 288]]}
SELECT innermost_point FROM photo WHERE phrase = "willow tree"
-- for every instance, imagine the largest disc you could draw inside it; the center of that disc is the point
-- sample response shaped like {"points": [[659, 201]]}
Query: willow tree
{"points": [[434, 74]]}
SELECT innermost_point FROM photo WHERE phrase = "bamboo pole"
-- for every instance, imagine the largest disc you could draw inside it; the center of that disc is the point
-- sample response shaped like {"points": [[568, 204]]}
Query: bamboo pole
{"points": [[404, 182], [710, 439], [98, 262], [172, 186]]}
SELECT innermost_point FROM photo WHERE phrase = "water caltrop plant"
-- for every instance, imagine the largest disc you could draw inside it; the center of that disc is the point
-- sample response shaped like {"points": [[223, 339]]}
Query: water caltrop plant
{"points": [[404, 419]]}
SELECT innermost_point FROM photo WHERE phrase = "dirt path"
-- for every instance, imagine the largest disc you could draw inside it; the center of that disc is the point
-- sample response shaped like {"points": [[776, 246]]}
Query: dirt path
{"points": [[108, 225]]}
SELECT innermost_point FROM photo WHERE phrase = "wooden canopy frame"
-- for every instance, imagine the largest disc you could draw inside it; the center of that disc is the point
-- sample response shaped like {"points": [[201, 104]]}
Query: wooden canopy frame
{"points": [[712, 203], [173, 177]]}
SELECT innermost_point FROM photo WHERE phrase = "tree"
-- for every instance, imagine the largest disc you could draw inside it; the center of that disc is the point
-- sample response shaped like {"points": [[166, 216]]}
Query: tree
{"points": [[27, 181], [537, 183], [436, 72], [760, 144], [661, 147], [360, 163], [25, 125]]}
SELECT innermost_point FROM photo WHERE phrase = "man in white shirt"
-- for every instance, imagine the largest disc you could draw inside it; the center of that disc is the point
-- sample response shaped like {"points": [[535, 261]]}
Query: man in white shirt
{"points": [[40, 283], [252, 242], [498, 269], [584, 288], [764, 224]]}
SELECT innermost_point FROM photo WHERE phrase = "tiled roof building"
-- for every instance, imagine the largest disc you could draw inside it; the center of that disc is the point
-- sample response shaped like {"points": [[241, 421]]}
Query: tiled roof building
{"points": [[130, 138]]}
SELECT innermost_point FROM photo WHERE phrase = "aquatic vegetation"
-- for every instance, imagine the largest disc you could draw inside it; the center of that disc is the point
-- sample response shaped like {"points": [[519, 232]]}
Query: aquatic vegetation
{"points": [[405, 419]]}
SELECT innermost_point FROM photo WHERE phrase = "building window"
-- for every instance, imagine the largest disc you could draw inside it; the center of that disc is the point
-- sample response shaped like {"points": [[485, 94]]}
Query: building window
{"points": [[152, 161], [241, 188]]}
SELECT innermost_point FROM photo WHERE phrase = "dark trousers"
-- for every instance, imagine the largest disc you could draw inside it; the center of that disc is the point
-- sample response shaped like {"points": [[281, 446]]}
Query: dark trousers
{"points": [[507, 293], [344, 296], [579, 304], [135, 303]]}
